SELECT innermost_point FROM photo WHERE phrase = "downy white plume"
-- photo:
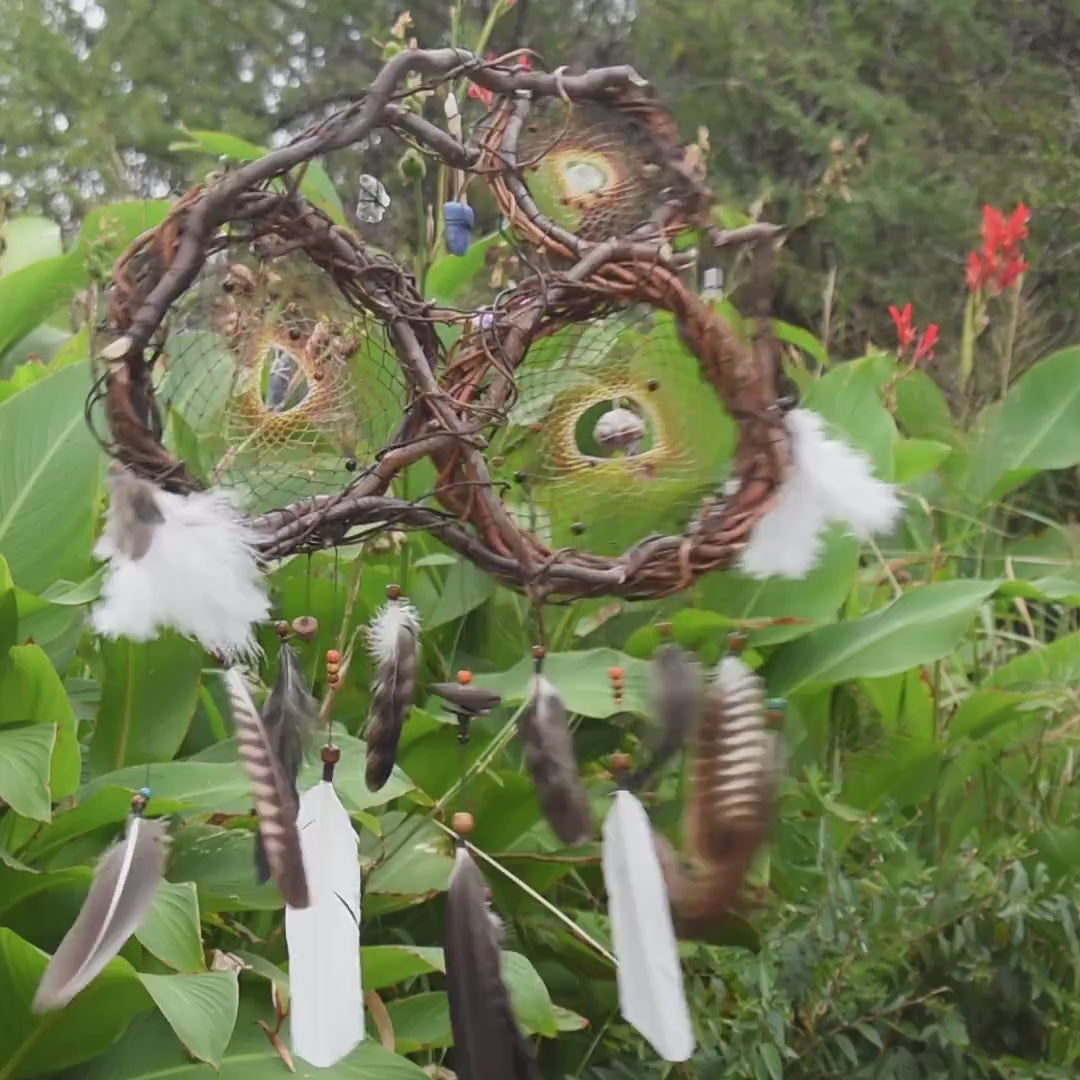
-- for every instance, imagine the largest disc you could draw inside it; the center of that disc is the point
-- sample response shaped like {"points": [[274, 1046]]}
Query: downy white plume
{"points": [[124, 886], [829, 481], [326, 1015], [184, 562], [649, 976], [393, 641]]}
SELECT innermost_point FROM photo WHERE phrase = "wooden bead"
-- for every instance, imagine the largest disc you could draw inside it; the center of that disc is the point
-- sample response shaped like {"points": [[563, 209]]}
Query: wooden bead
{"points": [[330, 754], [333, 656], [462, 823], [282, 628], [333, 669], [620, 762], [464, 676], [393, 592], [306, 627], [539, 652], [736, 642]]}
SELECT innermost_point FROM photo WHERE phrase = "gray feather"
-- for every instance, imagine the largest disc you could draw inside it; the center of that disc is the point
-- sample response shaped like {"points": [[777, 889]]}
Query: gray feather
{"points": [[133, 512], [275, 798], [488, 1044], [549, 757], [124, 886], [391, 699], [677, 693], [289, 714]]}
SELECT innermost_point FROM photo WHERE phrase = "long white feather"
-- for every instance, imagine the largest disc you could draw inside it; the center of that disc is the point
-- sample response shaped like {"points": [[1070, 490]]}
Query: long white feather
{"points": [[198, 575], [829, 481], [327, 999], [649, 975]]}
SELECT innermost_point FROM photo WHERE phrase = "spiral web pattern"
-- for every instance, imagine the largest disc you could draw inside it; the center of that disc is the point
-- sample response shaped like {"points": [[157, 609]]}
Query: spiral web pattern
{"points": [[570, 489], [274, 387]]}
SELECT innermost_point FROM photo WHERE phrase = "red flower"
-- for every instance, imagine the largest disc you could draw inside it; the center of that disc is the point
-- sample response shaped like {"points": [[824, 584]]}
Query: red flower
{"points": [[482, 93], [905, 332], [999, 262], [524, 61], [925, 348]]}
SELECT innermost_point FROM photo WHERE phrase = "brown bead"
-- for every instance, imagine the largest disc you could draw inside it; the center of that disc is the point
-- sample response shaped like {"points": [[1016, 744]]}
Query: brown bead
{"points": [[620, 762], [539, 652], [330, 754], [736, 642], [306, 627], [282, 628], [333, 669], [462, 823], [393, 592]]}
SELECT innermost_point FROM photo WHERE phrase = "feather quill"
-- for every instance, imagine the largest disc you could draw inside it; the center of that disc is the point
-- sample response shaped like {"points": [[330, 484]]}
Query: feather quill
{"points": [[549, 757], [288, 714], [326, 1015], [829, 481], [275, 800], [677, 693], [487, 1041], [651, 993], [124, 886], [393, 642], [185, 562]]}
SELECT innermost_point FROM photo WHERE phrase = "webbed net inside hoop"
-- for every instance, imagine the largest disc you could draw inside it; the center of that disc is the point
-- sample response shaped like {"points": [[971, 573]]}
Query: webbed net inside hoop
{"points": [[274, 386]]}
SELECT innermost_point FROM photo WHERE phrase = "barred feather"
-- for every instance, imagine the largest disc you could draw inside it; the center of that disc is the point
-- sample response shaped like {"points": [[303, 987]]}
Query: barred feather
{"points": [[549, 756], [275, 798], [124, 886], [392, 639], [677, 693], [487, 1042], [288, 714]]}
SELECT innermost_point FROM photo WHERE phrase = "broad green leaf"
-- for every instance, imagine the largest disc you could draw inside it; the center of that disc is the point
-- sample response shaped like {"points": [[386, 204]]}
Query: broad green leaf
{"points": [[31, 693], [797, 606], [25, 753], [9, 610], [581, 679], [985, 711], [28, 358], [150, 1052], [529, 995], [449, 274], [37, 1045], [201, 1009], [386, 965], [49, 475], [148, 696], [466, 588], [801, 339], [18, 885], [315, 185], [922, 410], [221, 862], [1053, 665], [26, 239], [1036, 427], [913, 457], [420, 1022], [28, 296], [923, 625], [171, 927], [418, 867]]}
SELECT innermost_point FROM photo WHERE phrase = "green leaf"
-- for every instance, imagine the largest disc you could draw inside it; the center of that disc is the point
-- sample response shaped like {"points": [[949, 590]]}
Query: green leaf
{"points": [[529, 995], [27, 239], [31, 693], [20, 884], [1036, 427], [771, 1056], [9, 610], [418, 867], [581, 679], [923, 625], [386, 965], [465, 589], [913, 457], [28, 296], [801, 339], [149, 1052], [35, 1045], [201, 1009], [148, 696], [449, 274], [49, 475], [316, 186], [797, 606], [420, 1021], [171, 927], [25, 753]]}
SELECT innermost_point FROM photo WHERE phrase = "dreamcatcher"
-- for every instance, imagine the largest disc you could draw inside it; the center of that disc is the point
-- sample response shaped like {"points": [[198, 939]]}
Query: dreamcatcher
{"points": [[596, 400]]}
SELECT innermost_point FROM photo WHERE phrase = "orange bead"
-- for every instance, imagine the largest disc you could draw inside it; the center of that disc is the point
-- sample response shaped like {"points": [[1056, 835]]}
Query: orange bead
{"points": [[333, 656], [464, 676], [462, 823], [615, 674]]}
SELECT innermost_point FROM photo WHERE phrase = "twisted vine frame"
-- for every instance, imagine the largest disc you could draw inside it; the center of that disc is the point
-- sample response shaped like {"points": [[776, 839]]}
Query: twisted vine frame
{"points": [[457, 397]]}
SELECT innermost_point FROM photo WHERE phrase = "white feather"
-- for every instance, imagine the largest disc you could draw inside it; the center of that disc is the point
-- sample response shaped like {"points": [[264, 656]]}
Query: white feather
{"points": [[649, 975], [829, 481], [381, 633], [327, 999], [199, 577]]}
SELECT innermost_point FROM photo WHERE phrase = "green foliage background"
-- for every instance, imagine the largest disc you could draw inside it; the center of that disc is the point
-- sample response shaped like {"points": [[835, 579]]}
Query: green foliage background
{"points": [[917, 908]]}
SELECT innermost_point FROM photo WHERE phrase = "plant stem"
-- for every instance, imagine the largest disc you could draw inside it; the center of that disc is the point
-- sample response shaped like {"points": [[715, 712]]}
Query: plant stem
{"points": [[1010, 340]]}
